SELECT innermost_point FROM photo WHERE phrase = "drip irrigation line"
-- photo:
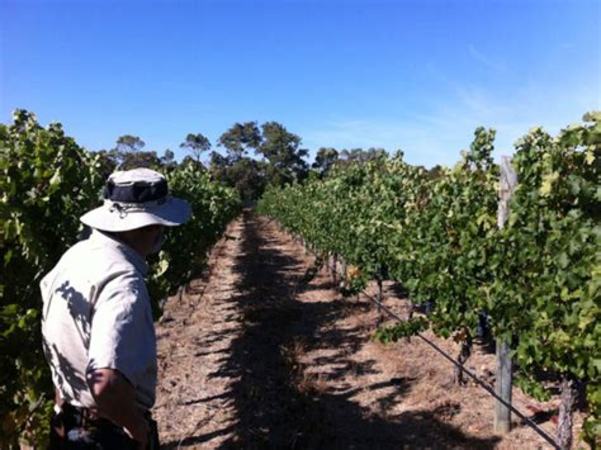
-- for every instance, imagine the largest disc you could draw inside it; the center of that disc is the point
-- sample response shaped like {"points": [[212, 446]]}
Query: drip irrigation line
{"points": [[542, 433]]}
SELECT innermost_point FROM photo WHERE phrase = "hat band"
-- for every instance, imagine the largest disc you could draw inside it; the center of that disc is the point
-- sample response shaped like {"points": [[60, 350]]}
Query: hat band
{"points": [[135, 192], [123, 208]]}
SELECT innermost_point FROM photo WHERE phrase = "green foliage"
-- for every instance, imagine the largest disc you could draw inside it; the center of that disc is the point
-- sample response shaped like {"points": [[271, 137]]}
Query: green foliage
{"points": [[548, 273], [280, 158], [392, 219], [186, 249], [353, 286], [281, 150], [359, 155], [450, 239], [46, 183], [246, 175], [240, 138], [129, 143], [197, 144], [131, 160], [400, 330], [435, 231], [528, 384], [325, 159]]}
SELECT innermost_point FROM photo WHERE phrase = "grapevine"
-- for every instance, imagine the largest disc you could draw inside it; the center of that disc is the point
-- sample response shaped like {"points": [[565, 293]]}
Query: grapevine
{"points": [[537, 279], [47, 182]]}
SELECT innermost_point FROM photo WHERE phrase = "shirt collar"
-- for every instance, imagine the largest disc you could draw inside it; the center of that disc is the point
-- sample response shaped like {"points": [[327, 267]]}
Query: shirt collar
{"points": [[130, 254]]}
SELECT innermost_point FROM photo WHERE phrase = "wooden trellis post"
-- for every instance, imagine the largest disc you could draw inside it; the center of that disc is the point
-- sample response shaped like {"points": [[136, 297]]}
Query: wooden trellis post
{"points": [[380, 295], [503, 382], [335, 269]]}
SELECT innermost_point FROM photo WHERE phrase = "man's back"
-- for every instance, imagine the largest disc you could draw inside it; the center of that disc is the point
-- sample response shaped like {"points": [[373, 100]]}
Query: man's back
{"points": [[97, 327], [97, 314]]}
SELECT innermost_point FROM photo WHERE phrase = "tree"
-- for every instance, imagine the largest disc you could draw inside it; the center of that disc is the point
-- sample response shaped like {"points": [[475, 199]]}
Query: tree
{"points": [[240, 138], [245, 174], [127, 146], [129, 143], [324, 160], [197, 144], [359, 155], [435, 172], [281, 149], [132, 160], [218, 162], [168, 160], [190, 161], [283, 158]]}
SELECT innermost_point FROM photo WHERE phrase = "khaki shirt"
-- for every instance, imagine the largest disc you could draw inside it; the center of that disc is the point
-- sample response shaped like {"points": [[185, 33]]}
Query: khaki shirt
{"points": [[97, 314]]}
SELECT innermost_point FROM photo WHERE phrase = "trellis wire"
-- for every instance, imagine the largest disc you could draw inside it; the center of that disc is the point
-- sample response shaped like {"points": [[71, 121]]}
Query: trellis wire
{"points": [[542, 433]]}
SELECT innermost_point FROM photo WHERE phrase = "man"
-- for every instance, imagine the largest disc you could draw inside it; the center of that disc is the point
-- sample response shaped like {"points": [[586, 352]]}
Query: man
{"points": [[97, 326]]}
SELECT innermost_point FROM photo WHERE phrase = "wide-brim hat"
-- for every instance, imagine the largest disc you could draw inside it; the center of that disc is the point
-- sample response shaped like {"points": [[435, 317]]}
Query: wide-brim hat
{"points": [[134, 199]]}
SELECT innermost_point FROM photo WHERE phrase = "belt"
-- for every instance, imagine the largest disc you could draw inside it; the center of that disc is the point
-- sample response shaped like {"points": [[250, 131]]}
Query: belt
{"points": [[69, 416], [82, 416], [77, 416]]}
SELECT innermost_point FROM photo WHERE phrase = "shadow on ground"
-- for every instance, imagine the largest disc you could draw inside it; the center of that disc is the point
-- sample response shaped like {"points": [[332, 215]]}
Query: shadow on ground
{"points": [[277, 405]]}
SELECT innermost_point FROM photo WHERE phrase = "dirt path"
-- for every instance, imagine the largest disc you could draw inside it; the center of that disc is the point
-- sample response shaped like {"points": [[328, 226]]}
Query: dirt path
{"points": [[261, 355]]}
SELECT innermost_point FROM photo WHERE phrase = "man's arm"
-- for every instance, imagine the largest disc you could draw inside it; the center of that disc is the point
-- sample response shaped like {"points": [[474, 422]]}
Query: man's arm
{"points": [[116, 400]]}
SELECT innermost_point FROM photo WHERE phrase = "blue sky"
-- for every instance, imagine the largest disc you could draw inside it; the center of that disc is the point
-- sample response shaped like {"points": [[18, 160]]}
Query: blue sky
{"points": [[417, 75]]}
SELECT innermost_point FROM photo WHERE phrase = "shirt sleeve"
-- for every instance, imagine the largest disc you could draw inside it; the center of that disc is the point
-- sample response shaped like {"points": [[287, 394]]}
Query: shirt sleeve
{"points": [[120, 335]]}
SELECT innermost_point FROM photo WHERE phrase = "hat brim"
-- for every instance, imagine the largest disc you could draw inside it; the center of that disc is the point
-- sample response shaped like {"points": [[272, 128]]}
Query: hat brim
{"points": [[172, 213]]}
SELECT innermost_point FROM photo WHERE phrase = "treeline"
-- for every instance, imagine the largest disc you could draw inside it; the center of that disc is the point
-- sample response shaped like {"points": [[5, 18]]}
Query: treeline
{"points": [[537, 279], [252, 158], [47, 181]]}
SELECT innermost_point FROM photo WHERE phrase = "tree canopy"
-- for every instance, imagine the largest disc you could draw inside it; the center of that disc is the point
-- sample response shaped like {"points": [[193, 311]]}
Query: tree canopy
{"points": [[254, 156], [197, 144]]}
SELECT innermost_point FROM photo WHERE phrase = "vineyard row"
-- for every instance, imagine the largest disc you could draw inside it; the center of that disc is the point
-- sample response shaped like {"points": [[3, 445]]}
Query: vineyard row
{"points": [[536, 280]]}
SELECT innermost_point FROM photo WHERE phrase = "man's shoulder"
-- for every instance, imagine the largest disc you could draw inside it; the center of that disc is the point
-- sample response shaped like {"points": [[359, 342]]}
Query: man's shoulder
{"points": [[97, 262], [95, 271]]}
